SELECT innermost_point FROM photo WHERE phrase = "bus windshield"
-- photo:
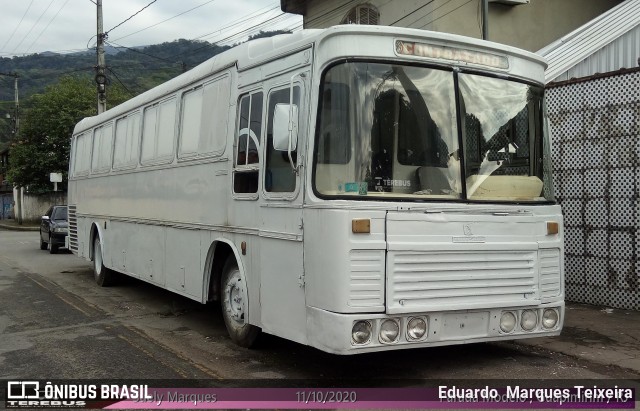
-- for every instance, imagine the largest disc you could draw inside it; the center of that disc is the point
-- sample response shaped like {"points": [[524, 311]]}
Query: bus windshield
{"points": [[390, 130]]}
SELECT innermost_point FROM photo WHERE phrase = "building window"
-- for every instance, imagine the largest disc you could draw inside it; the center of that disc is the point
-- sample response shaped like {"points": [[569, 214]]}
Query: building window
{"points": [[362, 14]]}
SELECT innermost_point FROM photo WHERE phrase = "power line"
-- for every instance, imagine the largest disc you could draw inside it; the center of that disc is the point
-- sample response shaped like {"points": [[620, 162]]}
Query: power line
{"points": [[446, 14], [253, 28], [121, 83], [32, 78], [60, 52], [116, 45], [164, 21], [19, 23], [333, 11], [231, 36], [413, 12], [47, 26], [235, 23], [33, 26], [132, 16]]}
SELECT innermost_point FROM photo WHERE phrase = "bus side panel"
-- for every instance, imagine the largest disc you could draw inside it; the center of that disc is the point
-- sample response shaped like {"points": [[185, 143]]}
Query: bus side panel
{"points": [[135, 249], [282, 297], [116, 244], [183, 261], [84, 233]]}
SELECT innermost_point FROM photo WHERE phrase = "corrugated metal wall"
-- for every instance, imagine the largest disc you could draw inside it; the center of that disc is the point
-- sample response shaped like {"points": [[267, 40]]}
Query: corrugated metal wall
{"points": [[621, 53], [596, 155]]}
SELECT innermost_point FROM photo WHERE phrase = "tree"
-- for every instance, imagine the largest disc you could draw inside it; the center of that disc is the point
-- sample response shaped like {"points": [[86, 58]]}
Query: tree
{"points": [[42, 146]]}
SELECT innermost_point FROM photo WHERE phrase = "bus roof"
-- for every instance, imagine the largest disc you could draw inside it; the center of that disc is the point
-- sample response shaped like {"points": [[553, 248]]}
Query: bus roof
{"points": [[258, 51]]}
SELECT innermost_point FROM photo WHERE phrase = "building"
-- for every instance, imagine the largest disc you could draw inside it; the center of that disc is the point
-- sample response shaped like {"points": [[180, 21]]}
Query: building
{"points": [[527, 24]]}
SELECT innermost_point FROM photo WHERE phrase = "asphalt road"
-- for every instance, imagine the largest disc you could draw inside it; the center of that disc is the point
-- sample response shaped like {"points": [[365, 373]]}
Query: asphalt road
{"points": [[55, 322]]}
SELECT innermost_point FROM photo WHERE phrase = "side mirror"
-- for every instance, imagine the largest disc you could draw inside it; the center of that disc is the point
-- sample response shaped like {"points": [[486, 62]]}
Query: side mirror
{"points": [[45, 217], [285, 127]]}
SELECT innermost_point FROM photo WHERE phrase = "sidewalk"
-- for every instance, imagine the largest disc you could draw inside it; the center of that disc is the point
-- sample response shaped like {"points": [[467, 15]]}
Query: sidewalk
{"points": [[606, 336], [12, 224]]}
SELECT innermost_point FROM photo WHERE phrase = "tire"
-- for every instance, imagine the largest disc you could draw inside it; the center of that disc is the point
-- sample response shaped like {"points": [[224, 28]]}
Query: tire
{"points": [[52, 248], [43, 244], [104, 277], [234, 302]]}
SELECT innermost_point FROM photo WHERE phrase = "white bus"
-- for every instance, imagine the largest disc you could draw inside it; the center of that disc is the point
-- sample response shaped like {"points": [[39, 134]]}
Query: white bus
{"points": [[355, 189]]}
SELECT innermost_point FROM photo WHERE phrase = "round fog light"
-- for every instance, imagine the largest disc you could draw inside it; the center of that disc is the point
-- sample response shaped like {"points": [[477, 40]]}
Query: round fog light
{"points": [[528, 320], [389, 330], [549, 318], [416, 328], [507, 321], [361, 332]]}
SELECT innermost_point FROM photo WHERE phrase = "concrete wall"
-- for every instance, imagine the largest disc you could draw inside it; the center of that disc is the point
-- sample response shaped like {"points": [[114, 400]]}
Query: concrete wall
{"points": [[529, 26], [35, 205]]}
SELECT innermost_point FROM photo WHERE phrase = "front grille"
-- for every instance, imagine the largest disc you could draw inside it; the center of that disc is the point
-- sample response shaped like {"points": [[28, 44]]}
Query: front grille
{"points": [[550, 272], [73, 230], [366, 280], [422, 281]]}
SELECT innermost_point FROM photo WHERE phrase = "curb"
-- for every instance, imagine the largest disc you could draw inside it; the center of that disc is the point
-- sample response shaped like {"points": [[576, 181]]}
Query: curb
{"points": [[13, 227]]}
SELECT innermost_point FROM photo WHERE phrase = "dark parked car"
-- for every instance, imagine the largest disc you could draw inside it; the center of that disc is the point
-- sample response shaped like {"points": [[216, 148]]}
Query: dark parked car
{"points": [[54, 229]]}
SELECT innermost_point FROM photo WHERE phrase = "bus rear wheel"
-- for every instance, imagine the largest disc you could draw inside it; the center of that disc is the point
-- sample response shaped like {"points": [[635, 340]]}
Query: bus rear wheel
{"points": [[104, 277], [234, 303]]}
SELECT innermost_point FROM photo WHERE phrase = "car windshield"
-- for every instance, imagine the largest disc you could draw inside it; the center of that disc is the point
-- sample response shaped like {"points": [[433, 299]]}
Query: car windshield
{"points": [[393, 130], [59, 213]]}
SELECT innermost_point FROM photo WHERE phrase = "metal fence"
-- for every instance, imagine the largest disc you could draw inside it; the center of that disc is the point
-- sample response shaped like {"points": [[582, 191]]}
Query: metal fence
{"points": [[596, 150]]}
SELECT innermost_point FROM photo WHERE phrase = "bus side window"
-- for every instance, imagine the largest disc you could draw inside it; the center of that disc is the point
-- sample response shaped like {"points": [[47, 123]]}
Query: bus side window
{"points": [[279, 177], [248, 132]]}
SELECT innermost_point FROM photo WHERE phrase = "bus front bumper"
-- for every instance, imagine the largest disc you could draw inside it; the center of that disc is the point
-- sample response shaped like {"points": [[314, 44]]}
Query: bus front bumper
{"points": [[333, 332]]}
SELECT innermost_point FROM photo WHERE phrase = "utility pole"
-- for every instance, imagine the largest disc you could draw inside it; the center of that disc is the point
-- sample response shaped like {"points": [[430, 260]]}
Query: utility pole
{"points": [[485, 19], [16, 116], [16, 127], [101, 78]]}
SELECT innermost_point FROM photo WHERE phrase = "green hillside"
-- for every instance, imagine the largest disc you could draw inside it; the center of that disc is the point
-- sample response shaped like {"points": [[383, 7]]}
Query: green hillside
{"points": [[136, 69]]}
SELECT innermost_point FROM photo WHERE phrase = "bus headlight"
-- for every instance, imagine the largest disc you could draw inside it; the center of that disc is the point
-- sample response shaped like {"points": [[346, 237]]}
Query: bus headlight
{"points": [[389, 330], [549, 318], [507, 321], [416, 328], [528, 320], [361, 332]]}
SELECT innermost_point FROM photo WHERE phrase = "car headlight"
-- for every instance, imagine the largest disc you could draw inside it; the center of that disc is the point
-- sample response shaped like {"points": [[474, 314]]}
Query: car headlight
{"points": [[60, 230], [389, 330], [528, 320], [549, 318], [507, 321], [361, 332], [416, 328]]}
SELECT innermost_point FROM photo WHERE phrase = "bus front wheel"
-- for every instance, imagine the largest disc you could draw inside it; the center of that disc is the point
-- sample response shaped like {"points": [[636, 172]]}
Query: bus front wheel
{"points": [[104, 277], [234, 303]]}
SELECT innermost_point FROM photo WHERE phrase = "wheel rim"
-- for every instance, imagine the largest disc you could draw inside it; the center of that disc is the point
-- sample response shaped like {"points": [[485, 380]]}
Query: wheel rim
{"points": [[235, 298], [97, 257]]}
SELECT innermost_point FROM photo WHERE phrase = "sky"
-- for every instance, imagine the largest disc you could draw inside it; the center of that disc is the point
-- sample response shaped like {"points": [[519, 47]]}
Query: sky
{"points": [[62, 26]]}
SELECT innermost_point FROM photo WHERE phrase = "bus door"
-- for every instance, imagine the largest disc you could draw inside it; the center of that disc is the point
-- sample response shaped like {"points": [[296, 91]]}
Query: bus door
{"points": [[282, 296]]}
